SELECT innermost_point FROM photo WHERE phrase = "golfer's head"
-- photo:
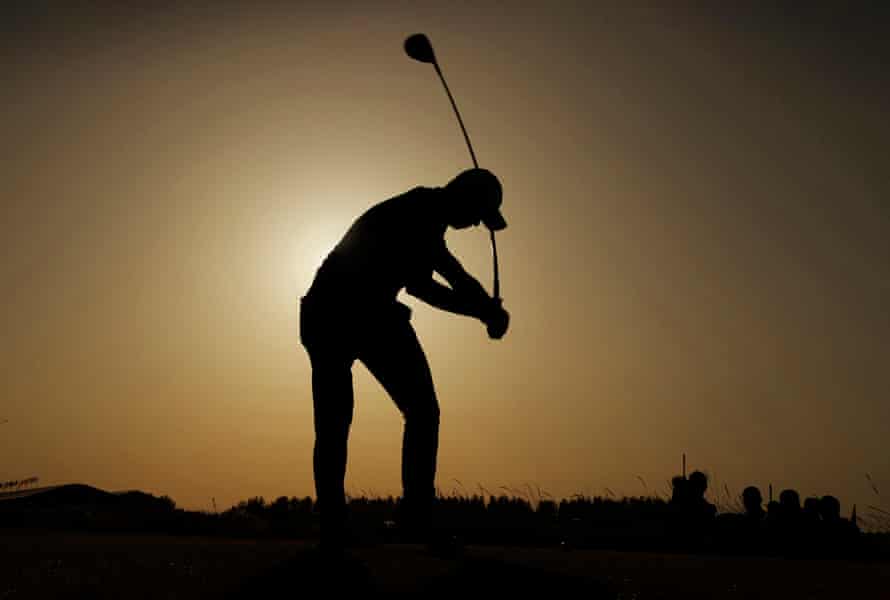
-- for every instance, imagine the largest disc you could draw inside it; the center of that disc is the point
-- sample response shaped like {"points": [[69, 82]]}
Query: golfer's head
{"points": [[475, 196]]}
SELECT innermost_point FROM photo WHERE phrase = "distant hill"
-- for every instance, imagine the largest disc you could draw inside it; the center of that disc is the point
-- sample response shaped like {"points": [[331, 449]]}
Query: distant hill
{"points": [[82, 506], [24, 492], [56, 495]]}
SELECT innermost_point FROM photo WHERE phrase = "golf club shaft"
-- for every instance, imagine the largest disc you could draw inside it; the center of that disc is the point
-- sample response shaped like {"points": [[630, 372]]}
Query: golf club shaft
{"points": [[497, 279], [457, 113], [494, 248]]}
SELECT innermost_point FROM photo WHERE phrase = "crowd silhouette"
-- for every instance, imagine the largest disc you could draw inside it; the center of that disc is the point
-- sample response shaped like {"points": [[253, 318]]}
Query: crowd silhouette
{"points": [[784, 527]]}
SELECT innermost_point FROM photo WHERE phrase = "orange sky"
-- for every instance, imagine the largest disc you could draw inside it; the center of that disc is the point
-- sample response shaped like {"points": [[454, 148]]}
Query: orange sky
{"points": [[696, 259]]}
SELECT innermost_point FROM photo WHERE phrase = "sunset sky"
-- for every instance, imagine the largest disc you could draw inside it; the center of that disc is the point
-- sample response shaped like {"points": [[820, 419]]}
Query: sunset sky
{"points": [[696, 259]]}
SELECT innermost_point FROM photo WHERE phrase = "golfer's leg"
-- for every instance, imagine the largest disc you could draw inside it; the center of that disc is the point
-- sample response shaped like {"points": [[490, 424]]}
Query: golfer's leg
{"points": [[332, 399], [397, 360]]}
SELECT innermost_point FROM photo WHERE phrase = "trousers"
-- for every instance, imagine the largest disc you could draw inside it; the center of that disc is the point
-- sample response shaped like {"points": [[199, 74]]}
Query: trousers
{"points": [[384, 340]]}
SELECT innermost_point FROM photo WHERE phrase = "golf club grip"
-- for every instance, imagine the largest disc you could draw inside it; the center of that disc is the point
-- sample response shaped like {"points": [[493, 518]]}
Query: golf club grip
{"points": [[460, 121]]}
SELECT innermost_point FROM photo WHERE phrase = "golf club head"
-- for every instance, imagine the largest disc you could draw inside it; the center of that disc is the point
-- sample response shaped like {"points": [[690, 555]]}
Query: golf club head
{"points": [[419, 48]]}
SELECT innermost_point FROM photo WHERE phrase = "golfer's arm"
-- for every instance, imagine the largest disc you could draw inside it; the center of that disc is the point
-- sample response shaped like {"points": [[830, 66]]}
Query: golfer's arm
{"points": [[466, 296], [445, 298], [461, 282]]}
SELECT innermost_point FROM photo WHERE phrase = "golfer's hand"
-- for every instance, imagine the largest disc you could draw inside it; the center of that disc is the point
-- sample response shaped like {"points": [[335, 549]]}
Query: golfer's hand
{"points": [[497, 321]]}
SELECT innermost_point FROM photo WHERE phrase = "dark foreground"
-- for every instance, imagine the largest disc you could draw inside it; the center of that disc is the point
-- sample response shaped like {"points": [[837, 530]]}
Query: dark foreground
{"points": [[70, 565]]}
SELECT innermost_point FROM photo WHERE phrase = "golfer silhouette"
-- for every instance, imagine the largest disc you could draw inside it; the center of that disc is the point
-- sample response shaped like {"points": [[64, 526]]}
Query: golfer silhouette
{"points": [[350, 312]]}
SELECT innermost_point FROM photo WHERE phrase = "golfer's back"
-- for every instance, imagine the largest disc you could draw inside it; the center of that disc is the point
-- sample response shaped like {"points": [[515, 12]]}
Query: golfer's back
{"points": [[391, 244]]}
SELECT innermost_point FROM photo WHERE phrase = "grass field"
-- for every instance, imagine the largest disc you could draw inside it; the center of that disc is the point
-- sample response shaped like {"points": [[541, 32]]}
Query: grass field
{"points": [[69, 565]]}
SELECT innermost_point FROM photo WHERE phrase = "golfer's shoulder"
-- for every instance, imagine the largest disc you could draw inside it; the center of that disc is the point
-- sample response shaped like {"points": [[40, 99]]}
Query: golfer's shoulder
{"points": [[416, 208], [418, 198]]}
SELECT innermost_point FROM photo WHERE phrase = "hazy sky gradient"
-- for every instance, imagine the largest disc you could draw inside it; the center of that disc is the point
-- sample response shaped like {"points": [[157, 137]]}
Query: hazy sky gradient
{"points": [[696, 259]]}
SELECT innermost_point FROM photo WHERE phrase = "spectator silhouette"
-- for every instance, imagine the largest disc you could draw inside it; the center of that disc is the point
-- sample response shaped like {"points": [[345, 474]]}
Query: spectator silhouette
{"points": [[697, 486], [678, 490], [810, 527], [786, 523], [753, 503], [830, 509], [838, 534], [811, 510], [752, 522], [350, 312], [789, 507], [693, 515]]}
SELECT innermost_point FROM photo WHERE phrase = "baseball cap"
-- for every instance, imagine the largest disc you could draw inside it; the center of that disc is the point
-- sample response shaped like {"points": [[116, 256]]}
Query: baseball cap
{"points": [[483, 187]]}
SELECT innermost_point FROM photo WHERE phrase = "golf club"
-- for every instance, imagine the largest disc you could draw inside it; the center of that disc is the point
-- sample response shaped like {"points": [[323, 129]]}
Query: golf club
{"points": [[419, 48]]}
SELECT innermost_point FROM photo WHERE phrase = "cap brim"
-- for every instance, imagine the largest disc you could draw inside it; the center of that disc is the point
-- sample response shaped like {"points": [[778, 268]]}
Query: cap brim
{"points": [[495, 221]]}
